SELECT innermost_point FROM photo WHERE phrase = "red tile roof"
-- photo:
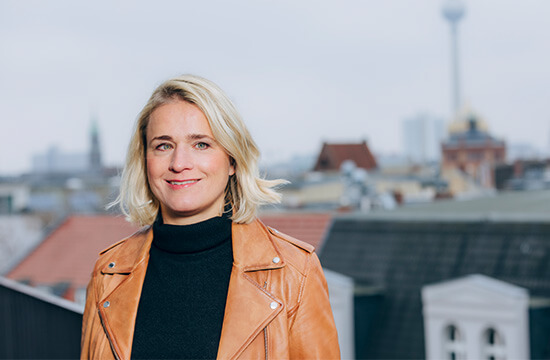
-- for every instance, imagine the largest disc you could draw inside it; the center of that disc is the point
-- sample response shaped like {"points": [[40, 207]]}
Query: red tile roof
{"points": [[308, 227], [69, 253], [332, 156]]}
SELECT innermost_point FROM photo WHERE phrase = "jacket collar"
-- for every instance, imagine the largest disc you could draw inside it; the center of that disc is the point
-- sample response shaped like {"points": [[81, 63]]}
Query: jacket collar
{"points": [[253, 248], [129, 253], [249, 306]]}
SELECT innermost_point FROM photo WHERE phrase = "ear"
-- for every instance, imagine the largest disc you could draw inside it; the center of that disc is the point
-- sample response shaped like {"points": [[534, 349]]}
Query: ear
{"points": [[232, 166]]}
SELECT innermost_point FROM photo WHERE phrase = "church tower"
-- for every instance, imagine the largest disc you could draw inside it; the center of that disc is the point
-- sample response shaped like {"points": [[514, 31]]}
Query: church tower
{"points": [[95, 152]]}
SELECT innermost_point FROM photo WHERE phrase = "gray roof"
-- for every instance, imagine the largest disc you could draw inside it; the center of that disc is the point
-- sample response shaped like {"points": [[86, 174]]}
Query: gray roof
{"points": [[530, 206]]}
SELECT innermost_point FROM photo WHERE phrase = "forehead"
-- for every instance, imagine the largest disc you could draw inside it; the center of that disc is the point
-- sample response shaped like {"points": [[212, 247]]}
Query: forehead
{"points": [[178, 118]]}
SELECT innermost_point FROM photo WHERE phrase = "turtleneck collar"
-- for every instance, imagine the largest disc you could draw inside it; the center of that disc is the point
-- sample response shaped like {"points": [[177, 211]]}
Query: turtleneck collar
{"points": [[193, 238]]}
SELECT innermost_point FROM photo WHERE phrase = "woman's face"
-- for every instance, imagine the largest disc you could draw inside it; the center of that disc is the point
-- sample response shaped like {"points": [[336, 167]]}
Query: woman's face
{"points": [[187, 169]]}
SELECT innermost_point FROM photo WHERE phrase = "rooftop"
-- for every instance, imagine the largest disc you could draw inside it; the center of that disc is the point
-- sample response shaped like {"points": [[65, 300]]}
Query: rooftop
{"points": [[404, 250], [332, 156], [526, 206], [309, 227]]}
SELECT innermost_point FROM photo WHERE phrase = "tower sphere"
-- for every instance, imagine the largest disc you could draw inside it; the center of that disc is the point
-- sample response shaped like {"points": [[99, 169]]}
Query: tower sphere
{"points": [[453, 10]]}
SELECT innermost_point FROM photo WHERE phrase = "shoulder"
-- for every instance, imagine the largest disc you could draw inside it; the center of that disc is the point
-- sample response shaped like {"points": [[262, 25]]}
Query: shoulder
{"points": [[134, 237], [291, 240], [296, 253]]}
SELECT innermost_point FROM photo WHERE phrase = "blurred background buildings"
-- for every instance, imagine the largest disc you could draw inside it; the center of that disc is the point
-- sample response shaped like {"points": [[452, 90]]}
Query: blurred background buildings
{"points": [[437, 251]]}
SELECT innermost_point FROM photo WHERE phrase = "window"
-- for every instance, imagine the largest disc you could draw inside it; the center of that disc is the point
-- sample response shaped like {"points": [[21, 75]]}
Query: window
{"points": [[493, 345], [453, 344]]}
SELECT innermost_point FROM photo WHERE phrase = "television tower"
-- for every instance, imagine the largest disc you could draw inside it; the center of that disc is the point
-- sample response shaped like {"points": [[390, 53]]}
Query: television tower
{"points": [[454, 10]]}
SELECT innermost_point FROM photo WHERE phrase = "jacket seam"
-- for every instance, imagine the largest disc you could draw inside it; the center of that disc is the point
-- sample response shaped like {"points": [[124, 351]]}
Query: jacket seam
{"points": [[295, 308], [297, 268]]}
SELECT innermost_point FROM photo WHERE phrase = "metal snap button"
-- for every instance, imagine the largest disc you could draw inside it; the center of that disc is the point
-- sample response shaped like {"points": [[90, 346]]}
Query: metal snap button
{"points": [[106, 304], [276, 260], [112, 265], [273, 305]]}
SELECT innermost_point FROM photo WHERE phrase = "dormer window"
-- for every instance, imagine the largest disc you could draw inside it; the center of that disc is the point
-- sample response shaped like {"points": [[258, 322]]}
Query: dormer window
{"points": [[453, 345], [493, 345]]}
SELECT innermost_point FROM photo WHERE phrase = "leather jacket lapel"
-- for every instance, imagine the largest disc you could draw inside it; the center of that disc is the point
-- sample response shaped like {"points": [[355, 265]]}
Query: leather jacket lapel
{"points": [[118, 306], [248, 311], [249, 306]]}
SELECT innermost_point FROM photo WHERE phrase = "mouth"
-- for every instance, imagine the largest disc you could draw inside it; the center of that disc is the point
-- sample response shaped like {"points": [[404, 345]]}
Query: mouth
{"points": [[184, 182]]}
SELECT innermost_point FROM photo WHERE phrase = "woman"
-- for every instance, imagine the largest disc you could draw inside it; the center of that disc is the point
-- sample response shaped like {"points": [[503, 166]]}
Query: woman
{"points": [[204, 278]]}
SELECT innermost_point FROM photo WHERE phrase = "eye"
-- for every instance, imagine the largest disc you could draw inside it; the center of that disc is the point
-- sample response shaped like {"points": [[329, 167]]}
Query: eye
{"points": [[202, 146], [163, 147]]}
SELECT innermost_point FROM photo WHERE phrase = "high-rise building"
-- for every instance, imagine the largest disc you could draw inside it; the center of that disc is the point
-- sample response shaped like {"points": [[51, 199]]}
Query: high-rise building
{"points": [[422, 136]]}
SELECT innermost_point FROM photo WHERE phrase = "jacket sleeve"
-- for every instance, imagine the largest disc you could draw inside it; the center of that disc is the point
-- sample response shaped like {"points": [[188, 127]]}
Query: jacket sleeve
{"points": [[313, 333], [88, 319]]}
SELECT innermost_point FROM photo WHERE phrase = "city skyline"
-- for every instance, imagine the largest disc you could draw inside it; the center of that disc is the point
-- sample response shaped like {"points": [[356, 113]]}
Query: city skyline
{"points": [[300, 73]]}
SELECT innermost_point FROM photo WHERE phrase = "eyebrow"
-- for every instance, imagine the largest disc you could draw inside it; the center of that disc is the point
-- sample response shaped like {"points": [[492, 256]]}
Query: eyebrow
{"points": [[188, 137], [162, 137]]}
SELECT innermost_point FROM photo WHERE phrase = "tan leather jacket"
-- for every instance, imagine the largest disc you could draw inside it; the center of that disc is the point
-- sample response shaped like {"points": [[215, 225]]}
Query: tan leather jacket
{"points": [[277, 303]]}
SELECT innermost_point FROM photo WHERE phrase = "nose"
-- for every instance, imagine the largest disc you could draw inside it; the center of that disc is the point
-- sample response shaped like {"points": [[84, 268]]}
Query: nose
{"points": [[181, 160]]}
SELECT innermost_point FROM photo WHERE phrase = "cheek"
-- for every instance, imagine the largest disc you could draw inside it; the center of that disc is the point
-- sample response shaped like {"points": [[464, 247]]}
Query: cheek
{"points": [[223, 167], [211, 165], [153, 169]]}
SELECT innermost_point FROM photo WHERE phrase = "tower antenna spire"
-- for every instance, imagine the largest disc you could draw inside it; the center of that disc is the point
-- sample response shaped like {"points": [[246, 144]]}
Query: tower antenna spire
{"points": [[453, 11]]}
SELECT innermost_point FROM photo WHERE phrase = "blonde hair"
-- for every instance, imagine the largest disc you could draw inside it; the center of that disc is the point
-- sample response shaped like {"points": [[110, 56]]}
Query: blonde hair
{"points": [[245, 191]]}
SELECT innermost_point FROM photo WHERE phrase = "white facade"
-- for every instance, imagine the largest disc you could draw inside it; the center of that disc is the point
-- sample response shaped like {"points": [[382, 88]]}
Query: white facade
{"points": [[341, 294], [422, 136], [476, 317]]}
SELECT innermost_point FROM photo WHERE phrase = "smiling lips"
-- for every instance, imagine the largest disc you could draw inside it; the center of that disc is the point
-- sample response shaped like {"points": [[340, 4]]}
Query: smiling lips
{"points": [[182, 183]]}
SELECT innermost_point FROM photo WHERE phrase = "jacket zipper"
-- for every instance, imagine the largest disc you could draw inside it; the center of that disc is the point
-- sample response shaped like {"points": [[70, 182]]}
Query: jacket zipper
{"points": [[107, 334], [265, 341], [265, 330]]}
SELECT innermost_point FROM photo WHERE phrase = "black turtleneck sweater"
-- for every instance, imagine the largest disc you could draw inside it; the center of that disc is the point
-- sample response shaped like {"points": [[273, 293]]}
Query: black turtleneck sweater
{"points": [[182, 303]]}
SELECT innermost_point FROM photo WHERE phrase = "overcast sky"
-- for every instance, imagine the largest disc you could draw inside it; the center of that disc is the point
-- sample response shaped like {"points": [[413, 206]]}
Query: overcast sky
{"points": [[300, 72]]}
